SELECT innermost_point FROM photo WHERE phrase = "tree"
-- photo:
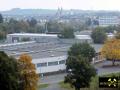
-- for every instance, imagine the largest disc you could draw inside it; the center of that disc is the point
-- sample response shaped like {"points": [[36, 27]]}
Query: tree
{"points": [[95, 22], [8, 73], [53, 26], [117, 36], [32, 22], [109, 29], [28, 75], [80, 72], [98, 35], [66, 33], [2, 35], [88, 22], [83, 49], [1, 18], [111, 50]]}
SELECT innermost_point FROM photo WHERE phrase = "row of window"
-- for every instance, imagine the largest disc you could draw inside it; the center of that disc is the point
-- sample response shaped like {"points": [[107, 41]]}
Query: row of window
{"points": [[50, 63]]}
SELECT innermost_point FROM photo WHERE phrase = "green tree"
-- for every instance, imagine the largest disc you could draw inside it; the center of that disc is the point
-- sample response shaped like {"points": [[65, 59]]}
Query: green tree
{"points": [[67, 33], [2, 35], [88, 22], [98, 35], [80, 72], [53, 26], [8, 73], [1, 18], [83, 49], [32, 22], [109, 29]]}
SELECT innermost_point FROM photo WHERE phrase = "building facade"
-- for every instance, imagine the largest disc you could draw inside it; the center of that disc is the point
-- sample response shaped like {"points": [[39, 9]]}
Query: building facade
{"points": [[108, 21], [45, 38], [48, 65]]}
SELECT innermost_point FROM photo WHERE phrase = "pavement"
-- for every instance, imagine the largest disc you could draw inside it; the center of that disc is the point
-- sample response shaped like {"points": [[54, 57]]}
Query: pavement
{"points": [[53, 86], [52, 79]]}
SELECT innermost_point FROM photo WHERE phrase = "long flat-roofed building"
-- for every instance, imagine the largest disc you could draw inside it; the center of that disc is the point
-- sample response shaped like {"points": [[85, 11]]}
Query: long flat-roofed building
{"points": [[18, 37], [45, 38], [47, 57]]}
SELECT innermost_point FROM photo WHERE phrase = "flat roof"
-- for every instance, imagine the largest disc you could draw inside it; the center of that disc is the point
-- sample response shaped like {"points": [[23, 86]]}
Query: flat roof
{"points": [[83, 37], [47, 35], [42, 50], [32, 34]]}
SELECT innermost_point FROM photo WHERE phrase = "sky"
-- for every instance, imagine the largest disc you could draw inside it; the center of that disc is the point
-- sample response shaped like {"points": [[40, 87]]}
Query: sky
{"points": [[65, 4]]}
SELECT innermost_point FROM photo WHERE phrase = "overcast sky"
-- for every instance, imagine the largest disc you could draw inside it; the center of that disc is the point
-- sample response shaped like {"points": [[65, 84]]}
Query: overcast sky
{"points": [[65, 4]]}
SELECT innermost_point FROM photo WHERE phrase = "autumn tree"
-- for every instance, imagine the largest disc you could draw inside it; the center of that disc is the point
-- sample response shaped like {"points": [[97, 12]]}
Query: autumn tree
{"points": [[28, 75], [111, 50]]}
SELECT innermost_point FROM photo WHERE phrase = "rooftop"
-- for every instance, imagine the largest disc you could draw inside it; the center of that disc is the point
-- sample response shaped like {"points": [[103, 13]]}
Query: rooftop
{"points": [[41, 50], [33, 34]]}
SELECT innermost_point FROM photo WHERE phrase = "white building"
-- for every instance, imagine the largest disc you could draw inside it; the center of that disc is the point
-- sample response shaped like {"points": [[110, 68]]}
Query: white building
{"points": [[44, 38], [17, 37], [48, 65], [108, 20], [47, 57]]}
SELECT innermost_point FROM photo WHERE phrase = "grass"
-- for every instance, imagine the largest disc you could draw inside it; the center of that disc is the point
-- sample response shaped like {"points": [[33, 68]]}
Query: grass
{"points": [[112, 74], [93, 85], [65, 86], [43, 86]]}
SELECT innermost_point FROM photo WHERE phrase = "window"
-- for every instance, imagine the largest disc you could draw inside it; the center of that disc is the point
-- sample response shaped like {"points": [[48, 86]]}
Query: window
{"points": [[62, 62], [42, 64], [52, 63]]}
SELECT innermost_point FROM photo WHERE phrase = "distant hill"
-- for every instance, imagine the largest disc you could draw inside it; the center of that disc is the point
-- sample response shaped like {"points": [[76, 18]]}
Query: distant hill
{"points": [[17, 11]]}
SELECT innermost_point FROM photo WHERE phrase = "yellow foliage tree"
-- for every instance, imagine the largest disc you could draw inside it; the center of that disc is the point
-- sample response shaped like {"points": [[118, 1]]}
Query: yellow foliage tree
{"points": [[111, 50], [28, 75]]}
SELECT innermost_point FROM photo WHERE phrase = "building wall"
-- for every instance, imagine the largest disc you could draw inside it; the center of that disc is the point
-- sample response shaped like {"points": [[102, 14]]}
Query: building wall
{"points": [[108, 20], [44, 39], [72, 41], [50, 68]]}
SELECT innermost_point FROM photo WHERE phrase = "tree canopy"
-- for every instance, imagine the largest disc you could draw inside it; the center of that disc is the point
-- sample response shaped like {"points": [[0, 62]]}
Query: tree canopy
{"points": [[2, 35], [67, 32], [9, 75], [32, 22], [117, 36], [83, 49], [80, 72], [111, 50], [28, 75], [98, 35], [1, 18]]}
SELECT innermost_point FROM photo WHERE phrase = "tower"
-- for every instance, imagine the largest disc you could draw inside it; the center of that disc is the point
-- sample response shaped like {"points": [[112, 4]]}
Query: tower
{"points": [[59, 11]]}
